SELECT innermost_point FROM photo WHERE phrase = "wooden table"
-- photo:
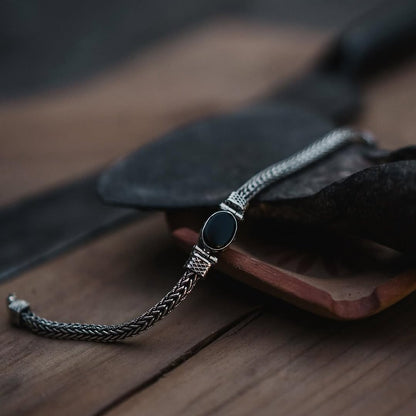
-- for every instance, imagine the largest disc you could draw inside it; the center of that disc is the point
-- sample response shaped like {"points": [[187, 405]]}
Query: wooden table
{"points": [[226, 350]]}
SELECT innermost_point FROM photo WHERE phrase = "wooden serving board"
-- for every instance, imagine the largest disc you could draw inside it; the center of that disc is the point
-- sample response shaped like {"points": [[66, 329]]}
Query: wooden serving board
{"points": [[335, 276]]}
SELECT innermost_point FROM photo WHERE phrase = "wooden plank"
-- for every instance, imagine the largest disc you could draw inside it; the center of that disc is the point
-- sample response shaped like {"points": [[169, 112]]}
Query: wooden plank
{"points": [[38, 228], [109, 280], [312, 276], [61, 135], [288, 362]]}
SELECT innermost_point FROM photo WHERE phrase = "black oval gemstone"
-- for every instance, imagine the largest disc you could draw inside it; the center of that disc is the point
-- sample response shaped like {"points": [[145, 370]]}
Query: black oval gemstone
{"points": [[219, 230]]}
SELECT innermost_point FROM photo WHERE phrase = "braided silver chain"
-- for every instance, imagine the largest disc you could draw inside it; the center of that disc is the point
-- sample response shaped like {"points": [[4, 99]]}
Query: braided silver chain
{"points": [[112, 333], [199, 262], [317, 150]]}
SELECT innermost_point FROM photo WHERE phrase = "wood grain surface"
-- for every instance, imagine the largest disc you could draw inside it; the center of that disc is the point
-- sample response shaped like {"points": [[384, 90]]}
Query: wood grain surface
{"points": [[289, 363], [227, 350], [333, 276]]}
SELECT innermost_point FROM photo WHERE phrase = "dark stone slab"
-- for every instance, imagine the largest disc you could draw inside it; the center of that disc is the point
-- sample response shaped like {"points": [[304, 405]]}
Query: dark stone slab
{"points": [[377, 203], [367, 191], [199, 165]]}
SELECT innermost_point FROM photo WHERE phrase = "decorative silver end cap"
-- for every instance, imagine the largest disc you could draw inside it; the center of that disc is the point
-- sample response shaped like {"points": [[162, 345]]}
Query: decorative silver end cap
{"points": [[236, 204], [16, 308], [200, 261]]}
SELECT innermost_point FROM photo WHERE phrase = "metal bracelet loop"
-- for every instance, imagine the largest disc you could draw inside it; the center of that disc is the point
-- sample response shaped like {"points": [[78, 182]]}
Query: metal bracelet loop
{"points": [[202, 257]]}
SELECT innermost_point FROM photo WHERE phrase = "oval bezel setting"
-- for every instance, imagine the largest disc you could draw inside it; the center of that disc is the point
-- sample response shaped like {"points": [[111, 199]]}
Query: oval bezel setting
{"points": [[217, 242]]}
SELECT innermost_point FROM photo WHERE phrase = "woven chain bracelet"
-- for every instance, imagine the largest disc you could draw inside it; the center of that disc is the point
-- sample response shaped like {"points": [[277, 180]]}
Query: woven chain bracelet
{"points": [[217, 233]]}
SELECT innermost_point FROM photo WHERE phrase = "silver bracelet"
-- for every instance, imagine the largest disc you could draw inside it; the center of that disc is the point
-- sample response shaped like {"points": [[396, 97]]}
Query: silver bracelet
{"points": [[216, 235]]}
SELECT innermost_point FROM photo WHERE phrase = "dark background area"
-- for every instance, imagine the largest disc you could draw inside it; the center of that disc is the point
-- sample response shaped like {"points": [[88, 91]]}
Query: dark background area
{"points": [[45, 44]]}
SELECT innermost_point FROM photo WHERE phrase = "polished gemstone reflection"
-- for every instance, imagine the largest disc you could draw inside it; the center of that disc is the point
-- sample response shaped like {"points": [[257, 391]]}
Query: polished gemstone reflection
{"points": [[219, 230]]}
